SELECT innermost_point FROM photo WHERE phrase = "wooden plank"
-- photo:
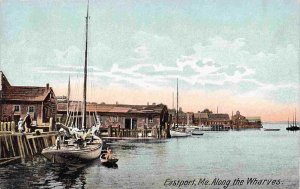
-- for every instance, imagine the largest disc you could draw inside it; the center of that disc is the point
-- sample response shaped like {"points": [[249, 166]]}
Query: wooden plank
{"points": [[19, 147], [30, 149], [0, 146], [34, 145], [22, 146], [8, 126], [3, 147], [2, 126], [39, 136], [12, 145], [25, 146], [7, 147], [44, 140], [5, 161], [53, 139]]}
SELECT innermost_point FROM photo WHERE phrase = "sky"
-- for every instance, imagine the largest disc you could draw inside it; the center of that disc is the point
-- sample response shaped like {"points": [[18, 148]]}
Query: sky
{"points": [[227, 55]]}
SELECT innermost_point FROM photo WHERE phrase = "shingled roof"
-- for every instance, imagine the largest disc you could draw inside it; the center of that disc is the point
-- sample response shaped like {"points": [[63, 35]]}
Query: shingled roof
{"points": [[114, 108], [216, 117], [23, 93], [26, 93]]}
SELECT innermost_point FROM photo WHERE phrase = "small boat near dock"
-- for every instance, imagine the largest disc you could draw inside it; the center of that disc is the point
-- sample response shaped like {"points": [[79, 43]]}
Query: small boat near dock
{"points": [[271, 129], [197, 131], [179, 133], [108, 162]]}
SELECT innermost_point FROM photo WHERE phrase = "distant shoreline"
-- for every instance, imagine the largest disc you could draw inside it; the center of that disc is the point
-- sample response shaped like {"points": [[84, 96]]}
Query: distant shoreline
{"points": [[277, 122]]}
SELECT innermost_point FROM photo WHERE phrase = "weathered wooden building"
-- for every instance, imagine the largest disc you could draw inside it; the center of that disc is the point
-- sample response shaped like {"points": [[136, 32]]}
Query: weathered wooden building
{"points": [[184, 118], [17, 101], [208, 118], [240, 121], [201, 118], [254, 121], [218, 119], [115, 115]]}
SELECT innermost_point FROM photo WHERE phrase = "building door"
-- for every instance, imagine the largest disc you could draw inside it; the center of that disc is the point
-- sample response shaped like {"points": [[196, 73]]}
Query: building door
{"points": [[127, 123], [17, 118], [134, 123]]}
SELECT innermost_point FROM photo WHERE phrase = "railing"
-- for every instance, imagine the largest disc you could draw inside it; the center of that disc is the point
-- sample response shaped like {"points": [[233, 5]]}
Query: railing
{"points": [[11, 127], [7, 127]]}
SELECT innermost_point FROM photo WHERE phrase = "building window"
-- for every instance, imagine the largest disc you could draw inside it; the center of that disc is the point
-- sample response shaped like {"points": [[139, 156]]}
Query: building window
{"points": [[31, 109], [115, 119], [150, 118], [17, 108]]}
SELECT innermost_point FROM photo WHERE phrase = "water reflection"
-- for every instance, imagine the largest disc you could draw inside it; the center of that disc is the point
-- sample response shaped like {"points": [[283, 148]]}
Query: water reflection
{"points": [[42, 174], [112, 166], [147, 164]]}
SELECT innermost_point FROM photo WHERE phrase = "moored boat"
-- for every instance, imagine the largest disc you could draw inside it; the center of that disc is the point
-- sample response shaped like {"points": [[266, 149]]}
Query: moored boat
{"points": [[105, 161], [83, 146], [197, 131], [271, 129], [293, 126], [73, 154], [178, 133]]}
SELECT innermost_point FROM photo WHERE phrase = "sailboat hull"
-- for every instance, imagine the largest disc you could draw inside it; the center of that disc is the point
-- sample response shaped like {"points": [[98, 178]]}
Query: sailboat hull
{"points": [[179, 134], [71, 154], [292, 128]]}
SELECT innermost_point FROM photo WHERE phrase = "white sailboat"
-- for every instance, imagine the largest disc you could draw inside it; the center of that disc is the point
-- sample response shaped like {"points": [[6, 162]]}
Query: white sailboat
{"points": [[81, 149], [179, 132]]}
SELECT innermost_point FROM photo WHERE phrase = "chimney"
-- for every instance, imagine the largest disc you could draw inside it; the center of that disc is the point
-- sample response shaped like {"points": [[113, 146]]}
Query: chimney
{"points": [[117, 102], [147, 103], [47, 85]]}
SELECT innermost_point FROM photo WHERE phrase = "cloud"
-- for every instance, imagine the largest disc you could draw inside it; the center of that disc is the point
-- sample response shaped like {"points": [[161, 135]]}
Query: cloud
{"points": [[217, 64], [221, 43]]}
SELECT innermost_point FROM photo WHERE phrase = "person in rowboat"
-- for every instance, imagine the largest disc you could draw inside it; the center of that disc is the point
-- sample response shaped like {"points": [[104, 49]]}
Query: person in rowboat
{"points": [[109, 153]]}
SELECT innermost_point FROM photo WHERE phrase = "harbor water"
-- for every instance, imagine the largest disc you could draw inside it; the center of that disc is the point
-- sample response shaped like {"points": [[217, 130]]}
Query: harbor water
{"points": [[220, 156]]}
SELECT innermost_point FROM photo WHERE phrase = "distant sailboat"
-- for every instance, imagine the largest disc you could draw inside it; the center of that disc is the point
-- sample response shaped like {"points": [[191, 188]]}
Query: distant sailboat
{"points": [[88, 146], [293, 126], [176, 132]]}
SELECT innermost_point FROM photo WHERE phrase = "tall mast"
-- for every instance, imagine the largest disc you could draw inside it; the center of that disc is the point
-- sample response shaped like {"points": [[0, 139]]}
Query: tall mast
{"points": [[173, 100], [68, 97], [295, 118], [177, 105], [85, 68]]}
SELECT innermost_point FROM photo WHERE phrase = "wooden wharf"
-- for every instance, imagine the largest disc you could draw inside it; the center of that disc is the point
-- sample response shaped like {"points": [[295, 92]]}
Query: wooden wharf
{"points": [[17, 146], [117, 132]]}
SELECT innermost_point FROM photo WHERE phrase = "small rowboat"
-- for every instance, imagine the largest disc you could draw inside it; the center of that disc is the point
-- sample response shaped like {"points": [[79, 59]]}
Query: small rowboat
{"points": [[105, 161]]}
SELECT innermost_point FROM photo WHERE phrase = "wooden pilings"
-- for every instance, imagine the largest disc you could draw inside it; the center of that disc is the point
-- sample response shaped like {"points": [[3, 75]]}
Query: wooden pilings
{"points": [[24, 145]]}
